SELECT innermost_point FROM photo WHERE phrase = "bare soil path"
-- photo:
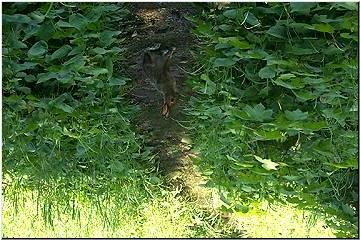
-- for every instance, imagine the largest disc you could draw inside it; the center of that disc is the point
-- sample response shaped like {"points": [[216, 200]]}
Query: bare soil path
{"points": [[165, 24]]}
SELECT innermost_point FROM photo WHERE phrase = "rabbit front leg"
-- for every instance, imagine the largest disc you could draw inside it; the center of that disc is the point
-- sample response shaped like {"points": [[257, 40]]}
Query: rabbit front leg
{"points": [[165, 109]]}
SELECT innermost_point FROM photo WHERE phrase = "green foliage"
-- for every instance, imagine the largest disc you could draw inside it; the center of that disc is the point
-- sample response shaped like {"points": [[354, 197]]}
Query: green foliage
{"points": [[283, 80], [66, 121], [73, 165]]}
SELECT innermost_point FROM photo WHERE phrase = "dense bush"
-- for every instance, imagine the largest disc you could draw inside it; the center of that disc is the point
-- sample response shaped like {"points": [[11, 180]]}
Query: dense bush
{"points": [[276, 109], [65, 117]]}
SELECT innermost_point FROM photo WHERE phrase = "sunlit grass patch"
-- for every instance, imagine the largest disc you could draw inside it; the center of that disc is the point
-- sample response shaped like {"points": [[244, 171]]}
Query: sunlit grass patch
{"points": [[163, 215], [281, 221]]}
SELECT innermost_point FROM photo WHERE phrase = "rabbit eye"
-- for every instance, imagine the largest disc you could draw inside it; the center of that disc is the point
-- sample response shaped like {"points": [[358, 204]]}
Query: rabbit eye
{"points": [[172, 100]]}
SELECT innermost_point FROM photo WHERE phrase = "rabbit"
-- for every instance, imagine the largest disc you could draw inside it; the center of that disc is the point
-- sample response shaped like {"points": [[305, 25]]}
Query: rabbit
{"points": [[156, 65]]}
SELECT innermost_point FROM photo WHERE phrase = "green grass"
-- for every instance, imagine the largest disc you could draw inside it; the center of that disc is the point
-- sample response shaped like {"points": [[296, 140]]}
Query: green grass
{"points": [[282, 221], [74, 164], [268, 126], [131, 213]]}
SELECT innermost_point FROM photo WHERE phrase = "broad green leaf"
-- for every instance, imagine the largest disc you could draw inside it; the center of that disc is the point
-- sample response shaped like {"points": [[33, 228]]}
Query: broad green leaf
{"points": [[225, 27], [282, 63], [235, 42], [241, 165], [296, 115], [115, 50], [277, 31], [305, 95], [230, 13], [203, 29], [25, 90], [46, 31], [95, 71], [322, 27], [348, 36], [311, 81], [117, 81], [95, 14], [98, 50], [37, 17], [242, 114], [247, 188], [301, 51], [154, 180], [350, 163], [65, 77], [64, 24], [222, 46], [284, 84], [43, 77], [251, 19], [20, 75], [106, 37], [15, 43], [267, 72], [16, 18], [61, 52], [310, 126], [269, 135], [64, 107], [77, 50], [301, 7], [223, 62], [38, 49], [78, 21], [30, 78], [24, 66], [264, 92], [258, 112], [257, 54], [240, 44], [352, 6], [267, 163], [241, 208], [300, 27], [75, 62], [286, 76], [325, 19]]}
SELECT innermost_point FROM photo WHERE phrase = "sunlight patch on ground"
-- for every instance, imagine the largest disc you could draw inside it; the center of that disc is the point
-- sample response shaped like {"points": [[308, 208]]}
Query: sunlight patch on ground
{"points": [[281, 221], [150, 15], [164, 216]]}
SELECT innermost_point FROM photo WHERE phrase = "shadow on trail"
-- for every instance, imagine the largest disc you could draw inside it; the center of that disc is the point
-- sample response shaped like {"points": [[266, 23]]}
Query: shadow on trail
{"points": [[162, 23]]}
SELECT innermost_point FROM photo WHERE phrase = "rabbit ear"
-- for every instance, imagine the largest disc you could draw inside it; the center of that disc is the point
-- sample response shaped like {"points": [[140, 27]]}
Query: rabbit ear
{"points": [[168, 58], [164, 110], [148, 58], [167, 61]]}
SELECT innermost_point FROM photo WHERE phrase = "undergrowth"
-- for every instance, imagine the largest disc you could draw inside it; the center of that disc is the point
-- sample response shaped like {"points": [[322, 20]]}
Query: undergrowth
{"points": [[274, 119], [73, 164], [275, 114]]}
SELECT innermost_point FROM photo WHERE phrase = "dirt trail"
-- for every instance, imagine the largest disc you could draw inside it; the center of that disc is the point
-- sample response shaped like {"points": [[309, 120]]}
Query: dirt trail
{"points": [[164, 23]]}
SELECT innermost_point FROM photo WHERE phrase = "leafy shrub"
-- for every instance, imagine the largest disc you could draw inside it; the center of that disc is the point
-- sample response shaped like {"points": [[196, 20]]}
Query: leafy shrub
{"points": [[276, 109], [66, 122]]}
